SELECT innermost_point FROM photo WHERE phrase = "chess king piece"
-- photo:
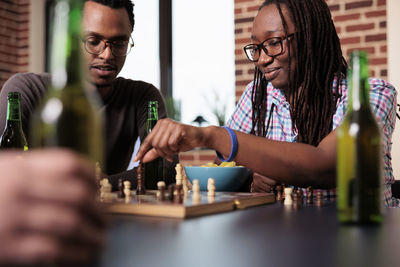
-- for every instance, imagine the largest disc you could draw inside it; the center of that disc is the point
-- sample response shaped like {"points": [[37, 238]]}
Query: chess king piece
{"points": [[288, 196], [359, 156], [13, 136], [141, 189]]}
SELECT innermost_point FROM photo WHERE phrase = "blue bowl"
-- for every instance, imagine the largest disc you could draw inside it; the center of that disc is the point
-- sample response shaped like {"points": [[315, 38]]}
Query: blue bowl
{"points": [[227, 179]]}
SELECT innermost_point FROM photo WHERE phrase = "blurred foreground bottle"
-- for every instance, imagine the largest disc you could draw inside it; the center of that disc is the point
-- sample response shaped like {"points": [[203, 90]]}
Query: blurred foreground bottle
{"points": [[69, 115], [359, 152], [153, 171], [13, 136]]}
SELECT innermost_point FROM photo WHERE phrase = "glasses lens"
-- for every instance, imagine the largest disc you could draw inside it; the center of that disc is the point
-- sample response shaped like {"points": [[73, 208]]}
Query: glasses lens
{"points": [[94, 45], [120, 48], [273, 46], [252, 52]]}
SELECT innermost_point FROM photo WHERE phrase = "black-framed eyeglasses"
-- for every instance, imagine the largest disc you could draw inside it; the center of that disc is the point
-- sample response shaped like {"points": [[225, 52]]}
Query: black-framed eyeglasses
{"points": [[272, 47], [95, 46]]}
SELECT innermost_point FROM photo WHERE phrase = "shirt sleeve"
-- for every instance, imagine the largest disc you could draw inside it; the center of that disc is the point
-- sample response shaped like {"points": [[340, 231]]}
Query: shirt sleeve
{"points": [[241, 119], [383, 103]]}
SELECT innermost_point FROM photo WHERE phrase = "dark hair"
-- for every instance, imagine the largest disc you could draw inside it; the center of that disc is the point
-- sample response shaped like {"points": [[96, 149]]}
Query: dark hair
{"points": [[319, 61], [127, 4]]}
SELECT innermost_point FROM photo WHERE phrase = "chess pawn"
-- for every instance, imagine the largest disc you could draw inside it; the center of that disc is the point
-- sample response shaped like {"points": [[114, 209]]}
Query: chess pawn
{"points": [[279, 193], [120, 189], [296, 200], [107, 195], [196, 191], [211, 187], [161, 190], [127, 189], [288, 196], [318, 199], [104, 184], [171, 189], [310, 196], [178, 193]]}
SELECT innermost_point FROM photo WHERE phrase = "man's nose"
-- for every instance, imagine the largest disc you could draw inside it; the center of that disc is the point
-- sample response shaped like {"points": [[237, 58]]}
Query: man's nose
{"points": [[107, 53]]}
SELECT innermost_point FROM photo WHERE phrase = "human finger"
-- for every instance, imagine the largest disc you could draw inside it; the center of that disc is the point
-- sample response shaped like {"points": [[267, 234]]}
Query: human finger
{"points": [[61, 221], [58, 164], [261, 183]]}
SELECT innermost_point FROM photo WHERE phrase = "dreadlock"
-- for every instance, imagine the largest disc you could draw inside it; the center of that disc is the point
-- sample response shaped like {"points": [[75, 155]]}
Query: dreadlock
{"points": [[319, 61]]}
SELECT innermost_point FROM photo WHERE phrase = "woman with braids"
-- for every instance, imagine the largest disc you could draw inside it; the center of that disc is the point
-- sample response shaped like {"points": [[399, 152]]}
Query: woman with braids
{"points": [[283, 128]]}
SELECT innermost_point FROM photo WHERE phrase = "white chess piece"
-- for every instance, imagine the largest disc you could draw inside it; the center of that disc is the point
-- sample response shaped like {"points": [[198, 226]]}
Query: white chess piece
{"points": [[196, 191], [127, 189], [211, 187], [178, 177], [288, 196]]}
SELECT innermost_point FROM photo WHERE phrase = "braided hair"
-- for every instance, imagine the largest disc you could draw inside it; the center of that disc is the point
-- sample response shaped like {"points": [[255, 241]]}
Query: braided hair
{"points": [[319, 61]]}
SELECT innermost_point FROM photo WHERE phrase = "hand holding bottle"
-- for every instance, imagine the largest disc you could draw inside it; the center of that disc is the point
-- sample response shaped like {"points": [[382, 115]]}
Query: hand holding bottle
{"points": [[47, 208]]}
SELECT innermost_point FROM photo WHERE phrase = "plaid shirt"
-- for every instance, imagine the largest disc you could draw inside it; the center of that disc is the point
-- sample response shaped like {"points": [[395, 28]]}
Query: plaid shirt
{"points": [[382, 101]]}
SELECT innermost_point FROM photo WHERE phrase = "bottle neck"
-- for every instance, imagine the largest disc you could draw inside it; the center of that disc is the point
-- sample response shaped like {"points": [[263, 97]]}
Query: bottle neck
{"points": [[66, 48], [13, 111], [359, 86], [152, 115]]}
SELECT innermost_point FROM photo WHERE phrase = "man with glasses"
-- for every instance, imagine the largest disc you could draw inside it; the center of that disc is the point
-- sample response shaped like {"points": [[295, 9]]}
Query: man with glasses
{"points": [[107, 28]]}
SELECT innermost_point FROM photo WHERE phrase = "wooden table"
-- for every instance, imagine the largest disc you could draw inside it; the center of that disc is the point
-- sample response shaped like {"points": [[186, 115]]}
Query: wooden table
{"points": [[269, 235]]}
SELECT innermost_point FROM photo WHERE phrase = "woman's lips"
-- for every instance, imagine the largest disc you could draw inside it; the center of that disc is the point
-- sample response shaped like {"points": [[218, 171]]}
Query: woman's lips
{"points": [[272, 73]]}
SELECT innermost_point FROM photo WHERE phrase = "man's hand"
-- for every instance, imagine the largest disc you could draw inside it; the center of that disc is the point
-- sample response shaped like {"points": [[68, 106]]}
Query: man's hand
{"points": [[262, 183], [48, 210]]}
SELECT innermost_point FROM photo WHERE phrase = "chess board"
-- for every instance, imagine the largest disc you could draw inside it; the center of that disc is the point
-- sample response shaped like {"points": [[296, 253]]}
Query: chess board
{"points": [[149, 205]]}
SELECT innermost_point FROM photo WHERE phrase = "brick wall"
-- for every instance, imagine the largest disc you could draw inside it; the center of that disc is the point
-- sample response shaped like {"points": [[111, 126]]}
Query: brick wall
{"points": [[14, 37], [360, 25]]}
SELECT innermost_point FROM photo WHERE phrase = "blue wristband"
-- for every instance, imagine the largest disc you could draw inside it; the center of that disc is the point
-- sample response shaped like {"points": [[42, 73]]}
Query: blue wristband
{"points": [[234, 146]]}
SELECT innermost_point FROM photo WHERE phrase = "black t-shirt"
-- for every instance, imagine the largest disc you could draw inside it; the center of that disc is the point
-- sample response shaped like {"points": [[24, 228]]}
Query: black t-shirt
{"points": [[125, 107]]}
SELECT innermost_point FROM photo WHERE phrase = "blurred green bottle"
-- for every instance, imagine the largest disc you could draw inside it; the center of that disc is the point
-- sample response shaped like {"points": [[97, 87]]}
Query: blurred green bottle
{"points": [[13, 136], [153, 171], [69, 114], [359, 156]]}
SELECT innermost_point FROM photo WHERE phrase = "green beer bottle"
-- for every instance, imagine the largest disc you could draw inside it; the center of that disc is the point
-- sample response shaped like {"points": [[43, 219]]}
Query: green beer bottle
{"points": [[153, 171], [359, 152], [69, 115], [13, 136]]}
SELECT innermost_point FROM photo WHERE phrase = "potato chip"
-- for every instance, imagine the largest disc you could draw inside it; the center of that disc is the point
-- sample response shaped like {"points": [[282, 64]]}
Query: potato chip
{"points": [[223, 164]]}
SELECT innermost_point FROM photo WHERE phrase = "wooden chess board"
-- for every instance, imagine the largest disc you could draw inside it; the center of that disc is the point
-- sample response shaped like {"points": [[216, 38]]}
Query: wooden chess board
{"points": [[149, 204]]}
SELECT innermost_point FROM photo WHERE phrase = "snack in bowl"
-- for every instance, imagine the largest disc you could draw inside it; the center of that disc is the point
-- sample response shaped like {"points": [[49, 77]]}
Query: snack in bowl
{"points": [[228, 176]]}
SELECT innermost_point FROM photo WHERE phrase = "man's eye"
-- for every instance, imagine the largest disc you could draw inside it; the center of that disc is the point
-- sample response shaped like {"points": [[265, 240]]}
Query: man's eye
{"points": [[119, 44], [93, 41]]}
